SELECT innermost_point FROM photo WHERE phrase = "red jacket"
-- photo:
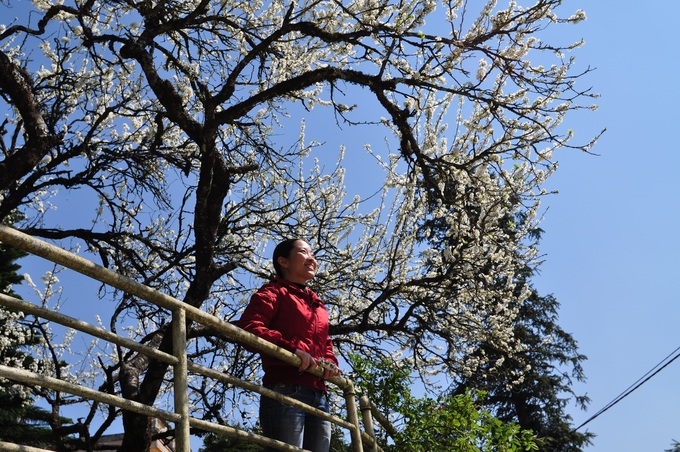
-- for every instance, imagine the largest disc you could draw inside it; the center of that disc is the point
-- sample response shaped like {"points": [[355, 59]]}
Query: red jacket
{"points": [[291, 317]]}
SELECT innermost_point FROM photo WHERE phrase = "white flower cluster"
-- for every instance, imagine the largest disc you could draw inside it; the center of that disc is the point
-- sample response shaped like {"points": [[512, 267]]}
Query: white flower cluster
{"points": [[174, 125]]}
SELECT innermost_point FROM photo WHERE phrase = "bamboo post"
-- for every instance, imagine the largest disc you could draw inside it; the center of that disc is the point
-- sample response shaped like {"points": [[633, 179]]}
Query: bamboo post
{"points": [[180, 380], [353, 417], [367, 417]]}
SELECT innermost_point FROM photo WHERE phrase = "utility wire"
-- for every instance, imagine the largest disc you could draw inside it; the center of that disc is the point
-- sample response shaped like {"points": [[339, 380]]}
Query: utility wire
{"points": [[642, 380]]}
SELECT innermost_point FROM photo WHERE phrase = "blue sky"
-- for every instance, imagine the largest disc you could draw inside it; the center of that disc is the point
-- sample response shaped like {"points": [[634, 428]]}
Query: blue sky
{"points": [[611, 234], [611, 240]]}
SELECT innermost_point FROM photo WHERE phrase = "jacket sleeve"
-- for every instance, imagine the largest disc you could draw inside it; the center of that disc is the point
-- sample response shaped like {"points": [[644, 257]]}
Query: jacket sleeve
{"points": [[330, 354], [257, 318]]}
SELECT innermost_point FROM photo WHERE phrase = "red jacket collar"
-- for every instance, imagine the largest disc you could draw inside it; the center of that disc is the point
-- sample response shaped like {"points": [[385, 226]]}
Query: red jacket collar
{"points": [[297, 288]]}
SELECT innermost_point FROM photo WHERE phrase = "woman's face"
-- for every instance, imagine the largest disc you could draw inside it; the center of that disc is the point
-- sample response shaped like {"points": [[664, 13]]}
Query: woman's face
{"points": [[300, 266]]}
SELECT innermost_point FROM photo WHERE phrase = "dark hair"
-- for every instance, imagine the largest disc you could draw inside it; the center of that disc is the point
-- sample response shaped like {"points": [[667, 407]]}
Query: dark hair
{"points": [[283, 249]]}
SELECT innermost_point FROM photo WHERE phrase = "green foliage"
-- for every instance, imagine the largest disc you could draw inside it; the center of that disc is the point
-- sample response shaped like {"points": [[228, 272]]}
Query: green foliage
{"points": [[24, 424], [9, 268], [18, 334], [448, 422], [216, 443], [530, 385], [338, 443], [20, 421], [676, 447], [533, 386]]}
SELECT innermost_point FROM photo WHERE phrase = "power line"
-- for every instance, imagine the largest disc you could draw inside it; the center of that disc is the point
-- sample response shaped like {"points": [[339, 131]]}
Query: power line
{"points": [[642, 380]]}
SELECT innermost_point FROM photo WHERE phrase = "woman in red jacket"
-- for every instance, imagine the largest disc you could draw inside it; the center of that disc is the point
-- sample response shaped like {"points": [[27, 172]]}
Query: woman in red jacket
{"points": [[290, 315]]}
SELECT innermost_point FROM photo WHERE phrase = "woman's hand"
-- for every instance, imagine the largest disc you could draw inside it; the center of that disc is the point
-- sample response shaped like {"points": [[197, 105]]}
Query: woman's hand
{"points": [[307, 362], [329, 373], [329, 368]]}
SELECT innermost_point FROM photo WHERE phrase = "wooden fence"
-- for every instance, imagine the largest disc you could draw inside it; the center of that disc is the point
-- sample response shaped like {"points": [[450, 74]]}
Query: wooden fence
{"points": [[178, 359]]}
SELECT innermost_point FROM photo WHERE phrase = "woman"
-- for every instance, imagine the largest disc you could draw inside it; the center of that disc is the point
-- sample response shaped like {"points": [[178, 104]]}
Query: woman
{"points": [[288, 314]]}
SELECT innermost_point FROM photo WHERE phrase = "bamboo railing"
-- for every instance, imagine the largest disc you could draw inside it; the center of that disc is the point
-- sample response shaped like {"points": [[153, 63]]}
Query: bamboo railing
{"points": [[178, 359]]}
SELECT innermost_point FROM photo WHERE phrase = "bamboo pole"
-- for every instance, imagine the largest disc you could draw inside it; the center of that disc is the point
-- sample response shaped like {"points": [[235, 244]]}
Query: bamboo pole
{"points": [[32, 379], [76, 324], [86, 267], [38, 311], [382, 420], [180, 380], [365, 406], [11, 447], [353, 417], [181, 417]]}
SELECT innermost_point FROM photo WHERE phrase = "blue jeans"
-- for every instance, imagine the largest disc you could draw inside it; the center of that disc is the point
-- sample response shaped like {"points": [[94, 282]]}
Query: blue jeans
{"points": [[292, 425]]}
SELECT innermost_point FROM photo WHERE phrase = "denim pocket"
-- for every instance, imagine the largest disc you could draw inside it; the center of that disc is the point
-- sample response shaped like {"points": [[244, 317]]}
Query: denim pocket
{"points": [[285, 389]]}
